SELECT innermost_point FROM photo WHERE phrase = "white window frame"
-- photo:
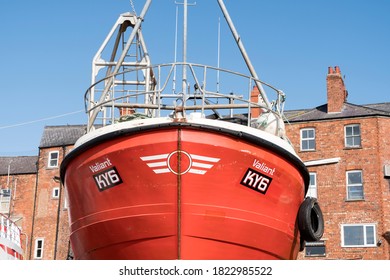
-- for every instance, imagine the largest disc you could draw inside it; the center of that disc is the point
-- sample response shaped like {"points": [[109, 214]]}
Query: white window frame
{"points": [[5, 200], [312, 191], [56, 192], [39, 249], [354, 184], [353, 136], [308, 138], [365, 226], [49, 160]]}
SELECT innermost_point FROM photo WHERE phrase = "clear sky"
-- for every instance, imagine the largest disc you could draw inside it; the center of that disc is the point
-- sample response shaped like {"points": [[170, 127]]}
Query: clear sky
{"points": [[46, 49]]}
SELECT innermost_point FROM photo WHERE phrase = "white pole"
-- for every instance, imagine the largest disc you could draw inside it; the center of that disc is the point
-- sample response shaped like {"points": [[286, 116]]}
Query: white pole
{"points": [[174, 72]]}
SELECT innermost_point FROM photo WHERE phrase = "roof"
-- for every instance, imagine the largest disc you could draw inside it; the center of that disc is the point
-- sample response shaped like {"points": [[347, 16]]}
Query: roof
{"points": [[18, 165], [64, 135], [349, 111]]}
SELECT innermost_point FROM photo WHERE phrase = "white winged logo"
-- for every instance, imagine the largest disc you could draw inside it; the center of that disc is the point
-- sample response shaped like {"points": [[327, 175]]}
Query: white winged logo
{"points": [[190, 163]]}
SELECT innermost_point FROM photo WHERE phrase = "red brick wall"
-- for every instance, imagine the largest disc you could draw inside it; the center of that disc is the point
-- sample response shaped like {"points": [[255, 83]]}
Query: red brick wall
{"points": [[384, 159], [22, 204], [331, 181], [50, 217]]}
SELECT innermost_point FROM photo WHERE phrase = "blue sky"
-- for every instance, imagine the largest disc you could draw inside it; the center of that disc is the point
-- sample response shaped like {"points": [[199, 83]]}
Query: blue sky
{"points": [[46, 49]]}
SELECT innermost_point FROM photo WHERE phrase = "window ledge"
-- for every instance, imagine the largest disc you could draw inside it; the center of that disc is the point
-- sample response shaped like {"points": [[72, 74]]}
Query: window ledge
{"points": [[355, 200], [306, 151], [353, 148], [359, 246]]}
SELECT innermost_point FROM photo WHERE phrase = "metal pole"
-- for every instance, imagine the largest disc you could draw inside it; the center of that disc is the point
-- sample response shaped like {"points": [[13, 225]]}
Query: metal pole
{"points": [[243, 53], [219, 52], [184, 85], [174, 73]]}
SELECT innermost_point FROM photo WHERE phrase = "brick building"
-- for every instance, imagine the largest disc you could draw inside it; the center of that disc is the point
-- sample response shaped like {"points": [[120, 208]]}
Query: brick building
{"points": [[36, 198], [345, 147], [17, 188]]}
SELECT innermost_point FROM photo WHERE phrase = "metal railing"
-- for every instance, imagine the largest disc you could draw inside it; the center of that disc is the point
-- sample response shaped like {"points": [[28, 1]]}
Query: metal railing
{"points": [[151, 92], [9, 230]]}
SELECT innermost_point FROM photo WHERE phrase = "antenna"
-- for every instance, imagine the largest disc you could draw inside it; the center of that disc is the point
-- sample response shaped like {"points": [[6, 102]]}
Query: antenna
{"points": [[185, 5], [219, 51], [175, 58]]}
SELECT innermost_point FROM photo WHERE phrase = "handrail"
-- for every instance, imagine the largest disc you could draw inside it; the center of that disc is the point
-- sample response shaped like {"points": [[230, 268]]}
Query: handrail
{"points": [[158, 100], [9, 230]]}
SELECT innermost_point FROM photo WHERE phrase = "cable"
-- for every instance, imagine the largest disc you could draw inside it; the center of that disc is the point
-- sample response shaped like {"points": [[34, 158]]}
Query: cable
{"points": [[40, 120], [132, 6]]}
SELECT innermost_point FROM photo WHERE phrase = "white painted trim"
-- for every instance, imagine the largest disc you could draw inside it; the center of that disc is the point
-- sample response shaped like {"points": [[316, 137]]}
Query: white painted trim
{"points": [[322, 161]]}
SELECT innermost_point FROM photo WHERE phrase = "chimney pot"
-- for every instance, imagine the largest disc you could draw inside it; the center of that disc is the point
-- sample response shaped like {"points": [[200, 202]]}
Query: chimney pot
{"points": [[330, 70], [337, 69]]}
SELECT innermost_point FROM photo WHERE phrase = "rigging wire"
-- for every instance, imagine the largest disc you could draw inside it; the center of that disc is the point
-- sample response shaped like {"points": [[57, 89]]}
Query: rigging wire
{"points": [[40, 120], [133, 7]]}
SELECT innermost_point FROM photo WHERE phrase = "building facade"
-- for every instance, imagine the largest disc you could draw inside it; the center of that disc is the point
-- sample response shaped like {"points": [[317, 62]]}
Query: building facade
{"points": [[17, 188], [346, 150], [344, 146], [37, 199]]}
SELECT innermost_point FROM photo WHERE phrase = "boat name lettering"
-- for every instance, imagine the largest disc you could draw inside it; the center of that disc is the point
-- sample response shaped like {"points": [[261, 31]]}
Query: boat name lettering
{"points": [[263, 167], [256, 181], [100, 165], [107, 179]]}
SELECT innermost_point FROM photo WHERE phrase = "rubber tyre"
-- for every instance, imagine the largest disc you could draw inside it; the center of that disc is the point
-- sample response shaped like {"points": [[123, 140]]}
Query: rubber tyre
{"points": [[310, 220]]}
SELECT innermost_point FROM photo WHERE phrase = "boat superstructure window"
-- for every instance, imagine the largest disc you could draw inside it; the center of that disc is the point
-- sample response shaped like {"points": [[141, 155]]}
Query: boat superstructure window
{"points": [[38, 252], [358, 235], [355, 185], [53, 159], [312, 191], [315, 249], [352, 136], [308, 139]]}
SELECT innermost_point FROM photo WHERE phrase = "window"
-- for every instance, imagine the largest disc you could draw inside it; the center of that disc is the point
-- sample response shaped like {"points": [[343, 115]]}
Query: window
{"points": [[352, 136], [308, 137], [315, 249], [56, 192], [53, 159], [358, 235], [5, 199], [38, 252], [312, 191], [355, 185]]}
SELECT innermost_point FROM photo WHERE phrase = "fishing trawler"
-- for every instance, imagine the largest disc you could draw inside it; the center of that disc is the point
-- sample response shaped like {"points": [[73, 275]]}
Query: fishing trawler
{"points": [[199, 172], [10, 242]]}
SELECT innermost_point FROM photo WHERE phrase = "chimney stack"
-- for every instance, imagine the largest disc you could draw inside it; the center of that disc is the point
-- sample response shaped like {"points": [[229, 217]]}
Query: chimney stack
{"points": [[255, 112], [337, 94]]}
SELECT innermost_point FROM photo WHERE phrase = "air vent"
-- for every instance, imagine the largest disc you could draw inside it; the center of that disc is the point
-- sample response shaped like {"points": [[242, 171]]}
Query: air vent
{"points": [[386, 171]]}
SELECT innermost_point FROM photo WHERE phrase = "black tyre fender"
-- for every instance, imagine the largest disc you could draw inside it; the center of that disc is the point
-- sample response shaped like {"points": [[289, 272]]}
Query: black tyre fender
{"points": [[310, 220]]}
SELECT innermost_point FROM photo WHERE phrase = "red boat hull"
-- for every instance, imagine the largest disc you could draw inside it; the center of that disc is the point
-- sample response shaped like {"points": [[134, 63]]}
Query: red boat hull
{"points": [[179, 192]]}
